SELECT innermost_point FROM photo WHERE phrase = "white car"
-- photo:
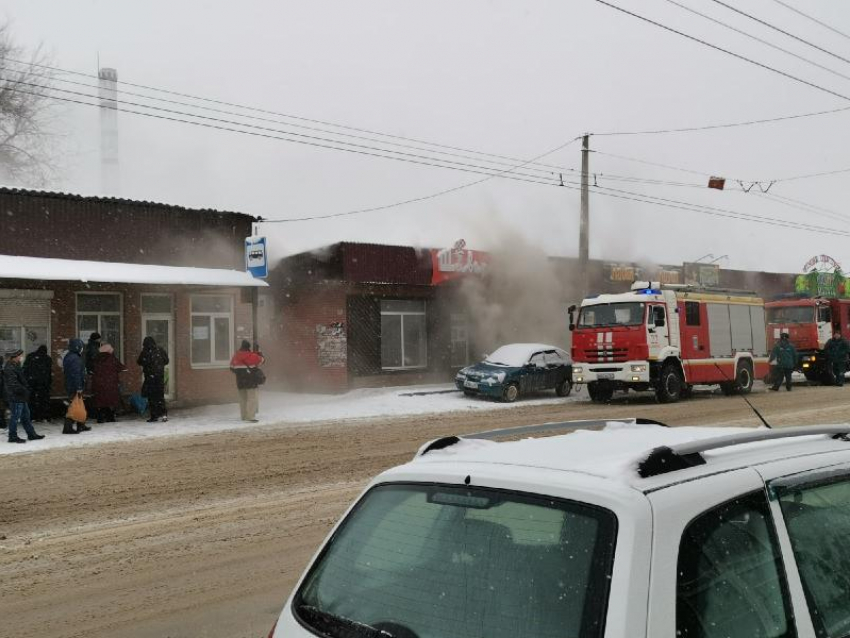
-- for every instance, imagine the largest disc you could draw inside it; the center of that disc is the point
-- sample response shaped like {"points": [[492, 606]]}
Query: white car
{"points": [[633, 531]]}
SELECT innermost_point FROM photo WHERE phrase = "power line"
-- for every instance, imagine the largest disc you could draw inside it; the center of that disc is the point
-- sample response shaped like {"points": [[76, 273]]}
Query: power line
{"points": [[757, 39], [300, 138], [807, 176], [813, 19], [424, 197], [649, 163], [710, 127], [268, 112], [300, 126], [722, 50], [805, 207], [782, 31]]}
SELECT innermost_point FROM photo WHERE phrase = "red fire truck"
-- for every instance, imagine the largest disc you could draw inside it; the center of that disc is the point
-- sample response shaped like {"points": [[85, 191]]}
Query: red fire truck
{"points": [[809, 322], [668, 339]]}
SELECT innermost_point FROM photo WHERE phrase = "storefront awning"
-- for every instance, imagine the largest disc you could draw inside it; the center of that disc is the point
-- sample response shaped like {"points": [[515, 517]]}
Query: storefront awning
{"points": [[45, 269]]}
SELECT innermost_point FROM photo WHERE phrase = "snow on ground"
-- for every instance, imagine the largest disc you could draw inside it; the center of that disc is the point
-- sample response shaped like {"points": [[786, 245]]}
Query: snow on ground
{"points": [[276, 408]]}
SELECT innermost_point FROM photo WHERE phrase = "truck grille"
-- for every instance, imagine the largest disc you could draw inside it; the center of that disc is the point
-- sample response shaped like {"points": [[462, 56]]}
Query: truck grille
{"points": [[606, 355]]}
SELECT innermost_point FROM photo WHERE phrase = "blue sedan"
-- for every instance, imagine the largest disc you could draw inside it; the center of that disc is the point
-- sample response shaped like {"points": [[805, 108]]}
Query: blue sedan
{"points": [[517, 369]]}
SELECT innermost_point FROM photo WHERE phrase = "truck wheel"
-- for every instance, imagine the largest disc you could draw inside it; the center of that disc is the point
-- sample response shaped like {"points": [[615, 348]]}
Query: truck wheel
{"points": [[510, 393], [744, 378], [564, 388], [670, 384], [600, 392]]}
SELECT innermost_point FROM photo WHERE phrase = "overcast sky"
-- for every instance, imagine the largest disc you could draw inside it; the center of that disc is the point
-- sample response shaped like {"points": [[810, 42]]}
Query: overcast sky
{"points": [[502, 76]]}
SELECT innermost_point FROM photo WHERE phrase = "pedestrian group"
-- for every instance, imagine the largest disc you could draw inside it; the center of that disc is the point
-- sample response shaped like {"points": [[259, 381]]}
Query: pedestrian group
{"points": [[25, 386]]}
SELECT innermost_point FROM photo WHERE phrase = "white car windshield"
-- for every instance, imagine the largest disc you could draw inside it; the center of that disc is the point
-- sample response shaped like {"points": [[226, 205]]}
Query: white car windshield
{"points": [[419, 561]]}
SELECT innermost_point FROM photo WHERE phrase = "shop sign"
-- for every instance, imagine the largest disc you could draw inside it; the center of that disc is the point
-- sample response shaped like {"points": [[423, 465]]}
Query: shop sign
{"points": [[457, 261], [622, 272], [822, 277], [702, 274], [670, 276]]}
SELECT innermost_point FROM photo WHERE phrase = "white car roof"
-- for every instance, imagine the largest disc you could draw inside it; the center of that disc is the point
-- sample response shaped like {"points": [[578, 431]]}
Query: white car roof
{"points": [[615, 453], [516, 354]]}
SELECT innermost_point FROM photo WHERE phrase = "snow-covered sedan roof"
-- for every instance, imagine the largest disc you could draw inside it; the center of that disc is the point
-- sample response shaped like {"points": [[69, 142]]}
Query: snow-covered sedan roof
{"points": [[517, 354], [616, 451]]}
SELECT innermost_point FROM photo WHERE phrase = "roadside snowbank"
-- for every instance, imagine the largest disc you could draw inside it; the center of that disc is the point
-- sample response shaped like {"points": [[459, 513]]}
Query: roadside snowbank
{"points": [[276, 409]]}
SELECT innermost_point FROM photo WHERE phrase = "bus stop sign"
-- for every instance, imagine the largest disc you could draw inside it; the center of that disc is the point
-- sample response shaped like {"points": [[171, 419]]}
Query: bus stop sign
{"points": [[256, 262]]}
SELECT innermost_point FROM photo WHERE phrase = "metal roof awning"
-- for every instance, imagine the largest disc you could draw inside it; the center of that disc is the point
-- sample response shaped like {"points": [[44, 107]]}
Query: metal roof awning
{"points": [[46, 269]]}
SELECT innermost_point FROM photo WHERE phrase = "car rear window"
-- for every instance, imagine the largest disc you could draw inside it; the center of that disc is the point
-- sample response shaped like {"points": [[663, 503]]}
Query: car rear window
{"points": [[426, 561]]}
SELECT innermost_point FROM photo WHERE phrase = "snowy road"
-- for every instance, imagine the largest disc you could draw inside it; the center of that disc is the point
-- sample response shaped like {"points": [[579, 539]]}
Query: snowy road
{"points": [[203, 536]]}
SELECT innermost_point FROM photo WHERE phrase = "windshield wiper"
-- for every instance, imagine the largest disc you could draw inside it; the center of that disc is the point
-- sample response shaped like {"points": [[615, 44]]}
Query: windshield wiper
{"points": [[341, 627]]}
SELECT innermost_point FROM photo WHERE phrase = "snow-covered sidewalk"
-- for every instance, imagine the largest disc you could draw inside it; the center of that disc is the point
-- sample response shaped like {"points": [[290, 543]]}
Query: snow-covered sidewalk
{"points": [[277, 409]]}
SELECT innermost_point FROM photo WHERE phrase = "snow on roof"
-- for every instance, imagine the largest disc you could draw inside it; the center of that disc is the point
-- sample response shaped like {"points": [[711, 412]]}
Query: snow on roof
{"points": [[517, 354], [40, 268], [613, 452]]}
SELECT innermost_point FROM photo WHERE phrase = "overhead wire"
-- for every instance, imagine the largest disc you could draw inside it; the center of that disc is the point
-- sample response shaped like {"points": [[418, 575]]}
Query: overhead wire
{"points": [[548, 170], [812, 18], [776, 47], [299, 138], [723, 50], [264, 111], [782, 31]]}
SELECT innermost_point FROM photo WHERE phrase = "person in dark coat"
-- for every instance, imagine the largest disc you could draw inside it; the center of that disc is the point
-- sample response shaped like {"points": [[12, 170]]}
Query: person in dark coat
{"points": [[75, 381], [38, 370], [92, 350], [784, 359], [17, 394], [2, 398], [105, 383], [153, 360], [245, 364], [837, 349]]}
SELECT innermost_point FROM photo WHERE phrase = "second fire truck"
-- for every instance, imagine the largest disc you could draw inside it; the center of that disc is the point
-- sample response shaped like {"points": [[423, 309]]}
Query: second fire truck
{"points": [[668, 339], [809, 322]]}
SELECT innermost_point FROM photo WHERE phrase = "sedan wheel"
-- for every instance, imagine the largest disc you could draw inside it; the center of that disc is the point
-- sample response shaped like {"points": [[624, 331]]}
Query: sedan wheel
{"points": [[510, 393]]}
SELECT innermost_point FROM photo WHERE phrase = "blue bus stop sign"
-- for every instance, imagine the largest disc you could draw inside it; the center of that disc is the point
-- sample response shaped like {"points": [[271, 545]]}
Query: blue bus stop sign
{"points": [[256, 262]]}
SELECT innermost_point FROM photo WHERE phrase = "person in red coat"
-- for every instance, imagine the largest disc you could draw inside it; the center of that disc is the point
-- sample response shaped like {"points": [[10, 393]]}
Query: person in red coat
{"points": [[105, 383], [245, 364]]}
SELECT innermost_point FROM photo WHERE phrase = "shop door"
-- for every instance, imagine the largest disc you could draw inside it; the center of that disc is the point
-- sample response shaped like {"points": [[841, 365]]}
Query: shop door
{"points": [[160, 326]]}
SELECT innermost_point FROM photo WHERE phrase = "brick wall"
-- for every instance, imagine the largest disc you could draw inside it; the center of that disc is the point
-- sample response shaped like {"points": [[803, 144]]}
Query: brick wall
{"points": [[193, 386]]}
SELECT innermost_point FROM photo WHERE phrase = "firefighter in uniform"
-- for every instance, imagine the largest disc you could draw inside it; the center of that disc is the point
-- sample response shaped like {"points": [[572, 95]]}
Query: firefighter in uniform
{"points": [[837, 350], [784, 359]]}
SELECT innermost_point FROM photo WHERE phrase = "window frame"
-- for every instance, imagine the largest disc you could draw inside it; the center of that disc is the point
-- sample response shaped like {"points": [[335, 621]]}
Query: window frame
{"points": [[458, 321], [101, 313], [692, 311], [807, 479], [402, 314], [213, 363], [776, 544]]}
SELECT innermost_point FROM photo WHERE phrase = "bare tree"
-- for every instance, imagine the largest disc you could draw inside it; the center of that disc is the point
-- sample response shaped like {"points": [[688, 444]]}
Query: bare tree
{"points": [[26, 112]]}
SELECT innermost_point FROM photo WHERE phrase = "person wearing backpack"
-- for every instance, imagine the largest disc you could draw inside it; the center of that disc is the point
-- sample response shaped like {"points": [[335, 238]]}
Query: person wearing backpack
{"points": [[245, 364]]}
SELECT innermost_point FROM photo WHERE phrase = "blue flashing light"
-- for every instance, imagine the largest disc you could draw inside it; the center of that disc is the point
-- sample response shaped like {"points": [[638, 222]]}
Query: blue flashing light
{"points": [[649, 291]]}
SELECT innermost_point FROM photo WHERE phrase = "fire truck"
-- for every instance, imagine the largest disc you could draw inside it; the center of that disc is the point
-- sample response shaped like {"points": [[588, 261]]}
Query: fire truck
{"points": [[809, 322], [669, 338]]}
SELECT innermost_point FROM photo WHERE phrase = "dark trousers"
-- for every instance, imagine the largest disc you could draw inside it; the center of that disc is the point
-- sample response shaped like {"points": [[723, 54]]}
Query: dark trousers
{"points": [[782, 373], [838, 370], [40, 403], [105, 415], [20, 413], [156, 404]]}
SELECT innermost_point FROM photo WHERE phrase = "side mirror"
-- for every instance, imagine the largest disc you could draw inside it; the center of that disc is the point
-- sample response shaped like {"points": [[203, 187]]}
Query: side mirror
{"points": [[571, 312]]}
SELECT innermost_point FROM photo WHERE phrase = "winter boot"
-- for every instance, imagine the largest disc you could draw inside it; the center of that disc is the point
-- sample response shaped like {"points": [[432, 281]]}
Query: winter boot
{"points": [[68, 428], [35, 437], [82, 427], [17, 439]]}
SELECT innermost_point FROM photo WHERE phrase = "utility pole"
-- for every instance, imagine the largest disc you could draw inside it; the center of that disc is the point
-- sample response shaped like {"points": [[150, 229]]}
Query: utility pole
{"points": [[584, 227]]}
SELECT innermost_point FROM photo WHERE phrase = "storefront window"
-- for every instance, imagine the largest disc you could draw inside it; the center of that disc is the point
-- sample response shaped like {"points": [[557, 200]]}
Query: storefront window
{"points": [[459, 326], [101, 313], [404, 338], [212, 332]]}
